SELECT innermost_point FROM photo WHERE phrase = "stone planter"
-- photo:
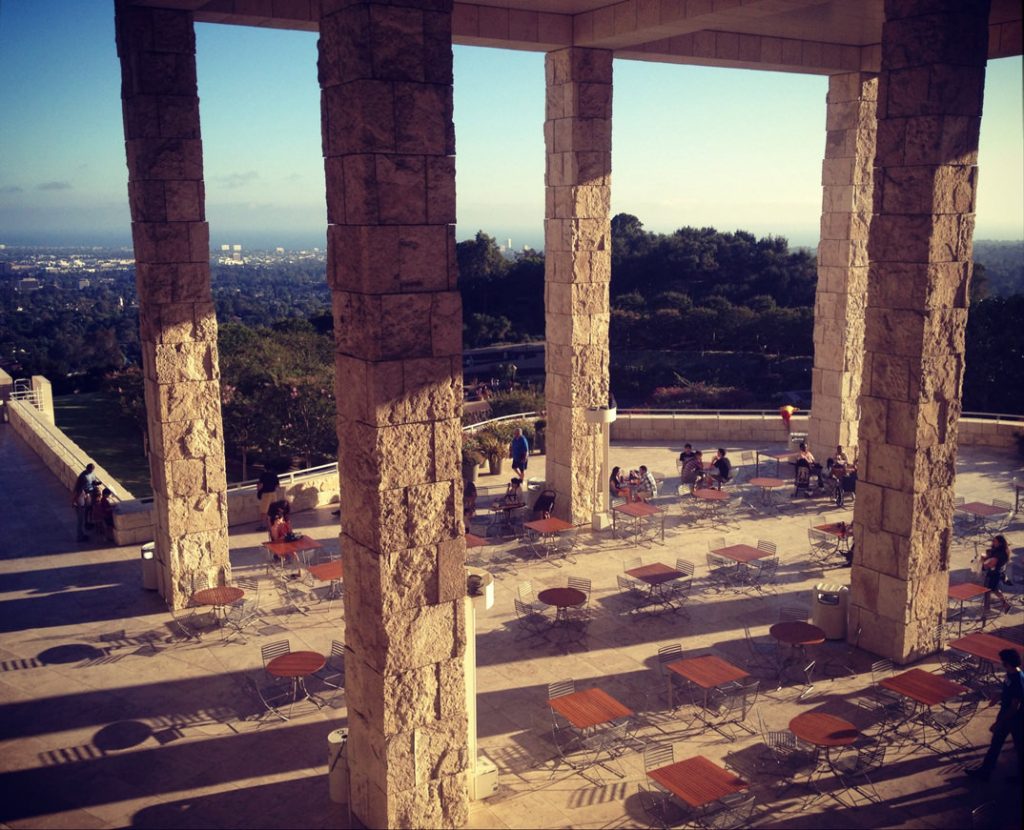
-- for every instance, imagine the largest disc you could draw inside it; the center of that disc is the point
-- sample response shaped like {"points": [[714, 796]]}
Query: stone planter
{"points": [[495, 465]]}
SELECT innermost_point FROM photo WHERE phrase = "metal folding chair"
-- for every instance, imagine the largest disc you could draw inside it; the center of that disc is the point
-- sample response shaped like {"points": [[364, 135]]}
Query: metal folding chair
{"points": [[854, 769], [243, 613]]}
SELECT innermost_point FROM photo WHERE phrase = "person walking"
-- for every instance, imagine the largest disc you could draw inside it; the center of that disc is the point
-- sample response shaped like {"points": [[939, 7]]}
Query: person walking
{"points": [[994, 569], [519, 449], [1009, 721]]}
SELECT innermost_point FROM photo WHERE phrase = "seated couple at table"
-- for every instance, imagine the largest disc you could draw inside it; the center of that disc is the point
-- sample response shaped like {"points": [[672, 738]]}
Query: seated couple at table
{"points": [[639, 486], [699, 478]]}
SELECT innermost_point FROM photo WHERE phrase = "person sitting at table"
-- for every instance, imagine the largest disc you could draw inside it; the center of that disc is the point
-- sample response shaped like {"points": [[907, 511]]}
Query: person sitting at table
{"points": [[723, 468], [646, 488], [687, 453], [806, 455], [693, 470], [514, 492], [994, 569], [617, 484], [280, 524], [838, 458]]}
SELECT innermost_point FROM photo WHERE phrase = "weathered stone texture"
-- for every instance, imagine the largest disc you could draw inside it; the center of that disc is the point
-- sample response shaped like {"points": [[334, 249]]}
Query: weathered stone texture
{"points": [[178, 328], [929, 105], [388, 139], [577, 242], [847, 185]]}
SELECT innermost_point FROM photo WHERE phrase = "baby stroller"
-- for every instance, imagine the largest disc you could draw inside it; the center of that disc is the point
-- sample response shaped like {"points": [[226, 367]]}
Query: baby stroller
{"points": [[802, 480]]}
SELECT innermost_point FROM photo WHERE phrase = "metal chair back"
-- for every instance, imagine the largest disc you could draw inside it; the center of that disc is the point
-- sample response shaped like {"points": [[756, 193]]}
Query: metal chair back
{"points": [[561, 688], [766, 546], [275, 649], [658, 755]]}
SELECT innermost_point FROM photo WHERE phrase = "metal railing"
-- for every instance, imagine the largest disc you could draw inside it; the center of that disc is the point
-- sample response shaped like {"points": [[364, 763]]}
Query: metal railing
{"points": [[23, 391]]}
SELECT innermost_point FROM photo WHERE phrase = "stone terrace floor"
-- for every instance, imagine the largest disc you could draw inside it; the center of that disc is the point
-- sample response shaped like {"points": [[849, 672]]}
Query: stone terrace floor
{"points": [[108, 718]]}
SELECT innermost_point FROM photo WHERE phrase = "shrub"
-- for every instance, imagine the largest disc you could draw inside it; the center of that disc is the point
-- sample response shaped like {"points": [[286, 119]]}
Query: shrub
{"points": [[518, 400]]}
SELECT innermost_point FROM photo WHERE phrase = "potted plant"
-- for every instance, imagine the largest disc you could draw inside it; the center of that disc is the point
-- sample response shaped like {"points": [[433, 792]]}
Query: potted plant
{"points": [[494, 450], [472, 457]]}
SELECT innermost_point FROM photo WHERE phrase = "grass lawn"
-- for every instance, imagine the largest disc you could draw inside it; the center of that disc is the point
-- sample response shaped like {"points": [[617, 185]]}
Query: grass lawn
{"points": [[94, 421]]}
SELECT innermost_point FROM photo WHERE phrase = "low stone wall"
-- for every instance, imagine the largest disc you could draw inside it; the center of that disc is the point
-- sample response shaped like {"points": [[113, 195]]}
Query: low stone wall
{"points": [[133, 521], [64, 458], [710, 428], [769, 430], [982, 432]]}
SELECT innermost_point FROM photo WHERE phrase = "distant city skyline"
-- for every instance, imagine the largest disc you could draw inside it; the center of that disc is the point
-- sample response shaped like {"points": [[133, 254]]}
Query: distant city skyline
{"points": [[684, 150]]}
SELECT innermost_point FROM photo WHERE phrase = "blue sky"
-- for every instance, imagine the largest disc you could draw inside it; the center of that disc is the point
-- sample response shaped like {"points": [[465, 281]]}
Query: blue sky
{"points": [[686, 150]]}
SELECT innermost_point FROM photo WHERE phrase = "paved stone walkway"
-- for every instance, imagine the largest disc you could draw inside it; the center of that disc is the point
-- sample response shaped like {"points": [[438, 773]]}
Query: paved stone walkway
{"points": [[109, 718]]}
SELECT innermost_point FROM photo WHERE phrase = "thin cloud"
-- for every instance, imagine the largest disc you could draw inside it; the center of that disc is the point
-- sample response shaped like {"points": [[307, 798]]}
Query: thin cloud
{"points": [[54, 186], [11, 188], [235, 180]]}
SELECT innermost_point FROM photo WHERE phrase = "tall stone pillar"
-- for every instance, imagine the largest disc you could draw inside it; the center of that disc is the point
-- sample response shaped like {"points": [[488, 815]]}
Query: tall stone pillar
{"points": [[577, 271], [178, 328], [929, 113], [842, 262], [388, 142]]}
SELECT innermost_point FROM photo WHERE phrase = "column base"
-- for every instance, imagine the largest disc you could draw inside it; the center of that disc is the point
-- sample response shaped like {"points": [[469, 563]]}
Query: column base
{"points": [[601, 521]]}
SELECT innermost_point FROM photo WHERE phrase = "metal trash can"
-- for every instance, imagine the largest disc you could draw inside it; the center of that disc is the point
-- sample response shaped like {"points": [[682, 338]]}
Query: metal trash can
{"points": [[150, 579], [337, 765], [828, 611]]}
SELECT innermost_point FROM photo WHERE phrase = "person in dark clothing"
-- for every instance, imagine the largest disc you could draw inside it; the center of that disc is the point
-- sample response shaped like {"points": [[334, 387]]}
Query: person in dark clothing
{"points": [[723, 468], [266, 492], [687, 453], [1009, 721]]}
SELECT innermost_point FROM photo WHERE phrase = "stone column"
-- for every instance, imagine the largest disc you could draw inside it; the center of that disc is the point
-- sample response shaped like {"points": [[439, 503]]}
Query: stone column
{"points": [[178, 328], [929, 113], [577, 271], [388, 142], [842, 262]]}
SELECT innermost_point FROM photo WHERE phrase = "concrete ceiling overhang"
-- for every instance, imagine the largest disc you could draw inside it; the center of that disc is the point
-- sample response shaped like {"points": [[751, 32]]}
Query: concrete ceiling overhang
{"points": [[810, 36]]}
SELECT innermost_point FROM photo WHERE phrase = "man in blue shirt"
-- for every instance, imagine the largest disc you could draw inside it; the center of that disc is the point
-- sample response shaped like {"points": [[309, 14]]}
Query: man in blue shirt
{"points": [[520, 452]]}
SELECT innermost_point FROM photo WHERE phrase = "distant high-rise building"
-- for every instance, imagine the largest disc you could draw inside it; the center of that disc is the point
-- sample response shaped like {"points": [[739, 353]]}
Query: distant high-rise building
{"points": [[237, 248], [278, 250], [225, 247]]}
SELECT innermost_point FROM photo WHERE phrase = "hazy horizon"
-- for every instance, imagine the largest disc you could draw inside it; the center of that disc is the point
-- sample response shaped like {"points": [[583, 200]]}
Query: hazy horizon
{"points": [[692, 146]]}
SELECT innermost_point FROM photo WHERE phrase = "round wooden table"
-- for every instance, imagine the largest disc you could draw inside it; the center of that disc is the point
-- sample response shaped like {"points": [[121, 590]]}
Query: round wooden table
{"points": [[298, 665], [562, 599], [796, 633], [767, 485], [711, 495], [218, 595], [823, 730]]}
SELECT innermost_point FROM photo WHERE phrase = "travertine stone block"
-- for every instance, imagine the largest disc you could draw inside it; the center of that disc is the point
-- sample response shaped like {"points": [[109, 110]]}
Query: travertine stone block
{"points": [[178, 328], [388, 138], [929, 106], [577, 236], [842, 261]]}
